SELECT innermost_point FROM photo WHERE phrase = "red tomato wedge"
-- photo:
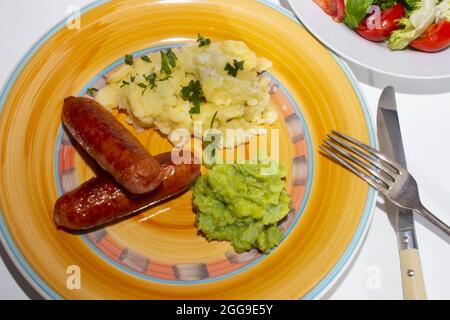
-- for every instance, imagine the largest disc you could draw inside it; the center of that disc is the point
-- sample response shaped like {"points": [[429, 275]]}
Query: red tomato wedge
{"points": [[334, 8], [374, 31], [436, 38]]}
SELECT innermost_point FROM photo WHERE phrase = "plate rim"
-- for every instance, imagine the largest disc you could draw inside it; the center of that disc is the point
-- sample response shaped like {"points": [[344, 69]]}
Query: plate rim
{"points": [[356, 61], [317, 292]]}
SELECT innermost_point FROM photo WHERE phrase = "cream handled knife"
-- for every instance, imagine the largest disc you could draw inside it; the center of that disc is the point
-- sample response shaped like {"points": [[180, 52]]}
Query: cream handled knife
{"points": [[402, 220]]}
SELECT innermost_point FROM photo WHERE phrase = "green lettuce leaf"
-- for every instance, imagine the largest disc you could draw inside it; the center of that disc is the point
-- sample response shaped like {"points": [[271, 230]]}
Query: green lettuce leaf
{"points": [[417, 23], [384, 4], [355, 12]]}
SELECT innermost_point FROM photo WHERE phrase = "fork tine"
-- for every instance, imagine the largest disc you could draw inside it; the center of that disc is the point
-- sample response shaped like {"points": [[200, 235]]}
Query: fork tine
{"points": [[372, 160], [352, 168], [356, 161], [369, 149]]}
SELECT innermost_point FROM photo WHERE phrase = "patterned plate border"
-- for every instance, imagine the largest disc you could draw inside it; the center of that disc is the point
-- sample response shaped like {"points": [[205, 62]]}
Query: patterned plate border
{"points": [[148, 268]]}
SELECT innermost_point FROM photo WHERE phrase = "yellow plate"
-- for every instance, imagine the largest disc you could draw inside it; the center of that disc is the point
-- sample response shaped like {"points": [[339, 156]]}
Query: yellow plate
{"points": [[158, 254]]}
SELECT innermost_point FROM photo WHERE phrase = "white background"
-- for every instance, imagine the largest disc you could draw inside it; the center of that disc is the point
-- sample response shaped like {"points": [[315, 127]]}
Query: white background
{"points": [[424, 110]]}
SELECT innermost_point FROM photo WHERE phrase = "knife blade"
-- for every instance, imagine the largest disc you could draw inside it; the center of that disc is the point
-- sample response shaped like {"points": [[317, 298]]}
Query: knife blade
{"points": [[390, 141], [402, 220]]}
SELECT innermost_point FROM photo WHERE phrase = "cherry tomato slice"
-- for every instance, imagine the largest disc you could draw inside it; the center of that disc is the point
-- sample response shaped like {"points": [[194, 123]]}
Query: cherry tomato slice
{"points": [[436, 38], [373, 31], [334, 8]]}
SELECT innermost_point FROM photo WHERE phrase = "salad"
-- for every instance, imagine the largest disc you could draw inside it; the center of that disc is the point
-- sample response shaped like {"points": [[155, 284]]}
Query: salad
{"points": [[420, 24]]}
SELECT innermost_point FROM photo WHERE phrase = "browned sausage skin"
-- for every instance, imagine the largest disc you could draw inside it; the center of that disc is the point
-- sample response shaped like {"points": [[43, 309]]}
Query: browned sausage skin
{"points": [[115, 149], [102, 200]]}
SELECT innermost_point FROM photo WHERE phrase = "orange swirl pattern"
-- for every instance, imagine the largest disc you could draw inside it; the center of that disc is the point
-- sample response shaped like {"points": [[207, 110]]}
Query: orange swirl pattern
{"points": [[68, 59]]}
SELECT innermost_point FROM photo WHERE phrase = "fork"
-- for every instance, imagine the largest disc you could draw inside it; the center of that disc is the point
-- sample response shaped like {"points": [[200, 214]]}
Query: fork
{"points": [[386, 176]]}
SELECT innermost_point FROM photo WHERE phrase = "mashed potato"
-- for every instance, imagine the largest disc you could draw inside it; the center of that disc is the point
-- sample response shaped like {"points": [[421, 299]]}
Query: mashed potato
{"points": [[154, 98]]}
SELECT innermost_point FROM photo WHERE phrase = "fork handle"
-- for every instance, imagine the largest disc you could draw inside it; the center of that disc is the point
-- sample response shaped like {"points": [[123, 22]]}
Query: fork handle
{"points": [[412, 276], [424, 212]]}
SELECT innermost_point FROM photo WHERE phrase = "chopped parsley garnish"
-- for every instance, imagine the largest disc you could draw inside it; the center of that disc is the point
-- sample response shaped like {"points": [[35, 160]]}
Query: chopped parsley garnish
{"points": [[124, 83], [172, 58], [146, 59], [132, 78], [233, 70], [167, 77], [143, 86], [168, 61], [194, 94], [207, 143], [151, 79], [129, 59], [203, 42], [165, 66], [91, 91], [195, 110], [213, 119]]}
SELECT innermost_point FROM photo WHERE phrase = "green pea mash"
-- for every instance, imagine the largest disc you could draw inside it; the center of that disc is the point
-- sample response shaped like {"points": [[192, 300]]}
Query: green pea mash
{"points": [[242, 203]]}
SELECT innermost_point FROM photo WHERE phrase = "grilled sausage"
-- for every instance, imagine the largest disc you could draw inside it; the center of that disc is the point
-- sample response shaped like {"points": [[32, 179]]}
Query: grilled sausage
{"points": [[101, 200], [115, 149]]}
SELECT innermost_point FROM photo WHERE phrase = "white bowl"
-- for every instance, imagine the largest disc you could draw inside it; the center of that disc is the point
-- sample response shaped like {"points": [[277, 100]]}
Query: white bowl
{"points": [[376, 56]]}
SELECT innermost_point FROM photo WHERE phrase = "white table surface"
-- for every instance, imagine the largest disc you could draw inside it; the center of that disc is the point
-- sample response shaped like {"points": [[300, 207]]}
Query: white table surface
{"points": [[424, 110]]}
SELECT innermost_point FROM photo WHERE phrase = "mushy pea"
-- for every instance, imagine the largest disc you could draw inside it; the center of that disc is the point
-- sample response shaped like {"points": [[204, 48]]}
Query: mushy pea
{"points": [[242, 203]]}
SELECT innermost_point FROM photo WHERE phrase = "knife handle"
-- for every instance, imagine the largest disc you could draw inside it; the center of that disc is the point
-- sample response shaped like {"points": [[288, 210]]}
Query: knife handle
{"points": [[412, 276]]}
